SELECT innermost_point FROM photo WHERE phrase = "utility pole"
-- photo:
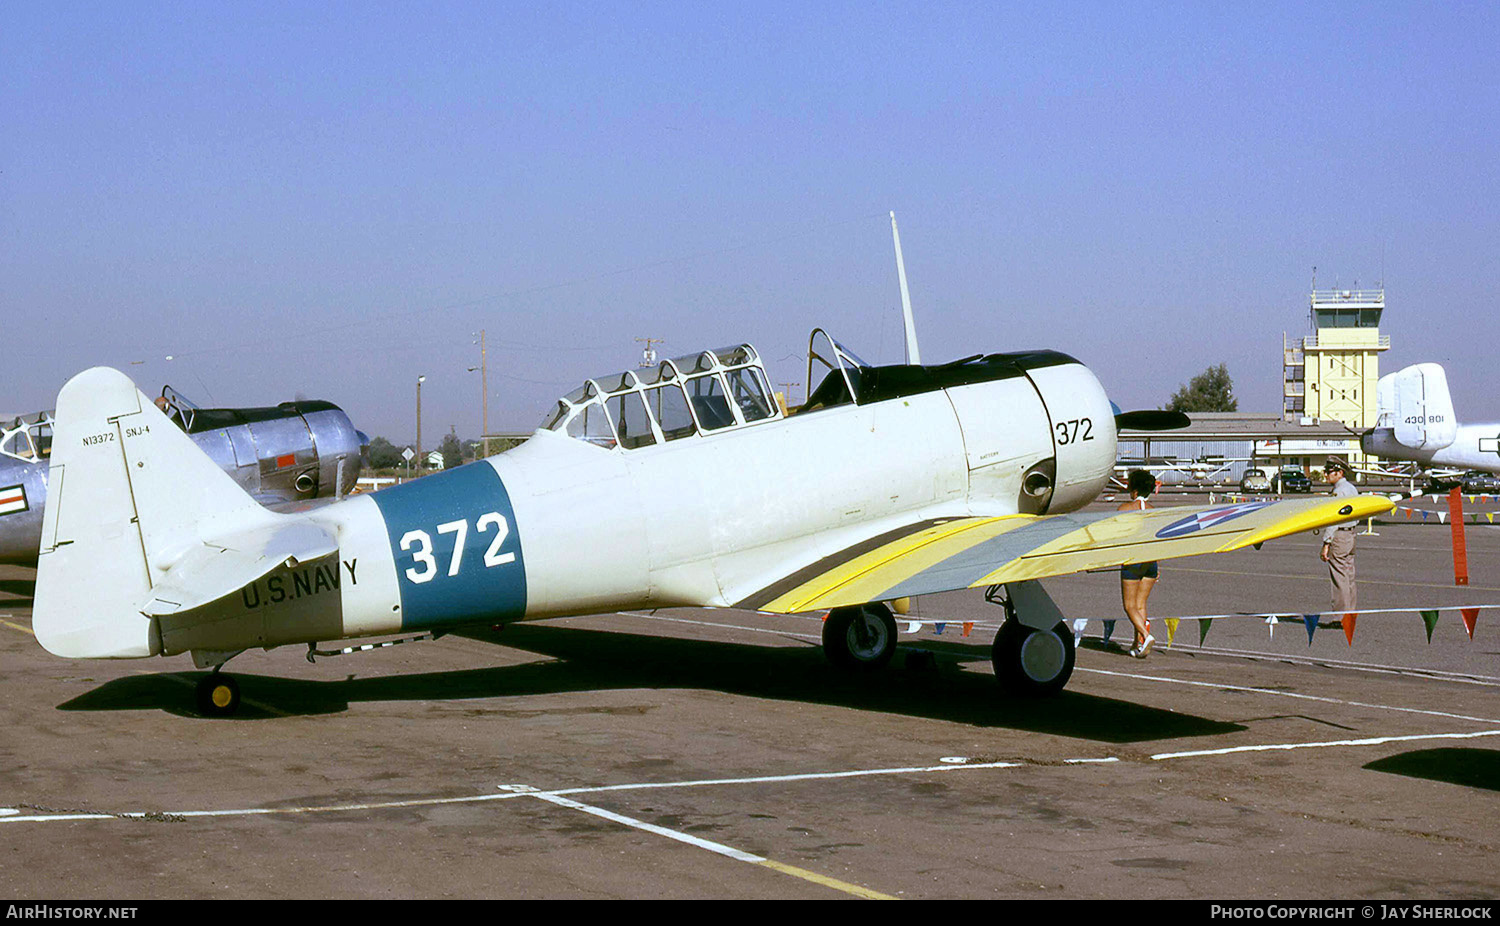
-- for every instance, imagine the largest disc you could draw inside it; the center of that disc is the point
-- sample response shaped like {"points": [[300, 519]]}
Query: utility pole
{"points": [[786, 396], [420, 380], [648, 356], [484, 390]]}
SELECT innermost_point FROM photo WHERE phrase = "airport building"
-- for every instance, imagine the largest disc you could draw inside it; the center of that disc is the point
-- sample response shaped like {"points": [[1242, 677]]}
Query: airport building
{"points": [[1328, 395], [1332, 373]]}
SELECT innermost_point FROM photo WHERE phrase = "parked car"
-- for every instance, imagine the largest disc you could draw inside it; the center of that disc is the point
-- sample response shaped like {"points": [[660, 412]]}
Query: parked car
{"points": [[1293, 480], [1255, 480], [1478, 482]]}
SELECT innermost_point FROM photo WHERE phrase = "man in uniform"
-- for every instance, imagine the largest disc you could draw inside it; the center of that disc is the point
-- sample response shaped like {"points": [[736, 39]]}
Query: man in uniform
{"points": [[1338, 543]]}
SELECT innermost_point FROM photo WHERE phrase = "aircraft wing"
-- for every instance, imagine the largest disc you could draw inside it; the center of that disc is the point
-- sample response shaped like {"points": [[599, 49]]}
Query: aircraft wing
{"points": [[974, 552]]}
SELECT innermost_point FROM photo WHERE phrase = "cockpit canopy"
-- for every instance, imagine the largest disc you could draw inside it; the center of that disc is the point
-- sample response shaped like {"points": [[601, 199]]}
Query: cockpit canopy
{"points": [[716, 390], [27, 439], [724, 389]]}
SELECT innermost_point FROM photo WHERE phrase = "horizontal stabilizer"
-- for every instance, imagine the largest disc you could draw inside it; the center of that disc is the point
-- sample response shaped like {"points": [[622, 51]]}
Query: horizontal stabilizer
{"points": [[226, 564]]}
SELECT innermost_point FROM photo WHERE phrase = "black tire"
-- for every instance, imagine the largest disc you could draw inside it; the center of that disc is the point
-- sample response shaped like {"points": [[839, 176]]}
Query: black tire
{"points": [[861, 637], [1032, 662], [218, 695]]}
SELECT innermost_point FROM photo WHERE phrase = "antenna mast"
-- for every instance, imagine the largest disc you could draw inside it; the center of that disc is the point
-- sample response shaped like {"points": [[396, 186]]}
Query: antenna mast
{"points": [[913, 355]]}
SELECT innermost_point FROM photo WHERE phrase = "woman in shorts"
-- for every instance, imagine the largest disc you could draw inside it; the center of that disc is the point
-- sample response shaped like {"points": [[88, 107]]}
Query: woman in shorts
{"points": [[1136, 579]]}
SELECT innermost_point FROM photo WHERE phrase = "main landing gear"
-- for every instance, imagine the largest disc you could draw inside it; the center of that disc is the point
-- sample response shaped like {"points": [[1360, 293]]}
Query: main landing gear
{"points": [[861, 637], [1030, 659], [1032, 654]]}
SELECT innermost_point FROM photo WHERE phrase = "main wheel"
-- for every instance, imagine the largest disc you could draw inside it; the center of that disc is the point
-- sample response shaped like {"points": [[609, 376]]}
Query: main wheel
{"points": [[862, 637], [1032, 662], [218, 695]]}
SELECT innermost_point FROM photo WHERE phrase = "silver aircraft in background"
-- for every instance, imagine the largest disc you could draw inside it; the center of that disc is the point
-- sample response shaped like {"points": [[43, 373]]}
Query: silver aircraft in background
{"points": [[282, 456]]}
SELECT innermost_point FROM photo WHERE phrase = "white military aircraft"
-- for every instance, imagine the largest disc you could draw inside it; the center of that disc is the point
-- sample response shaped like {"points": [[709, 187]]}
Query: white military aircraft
{"points": [[1416, 423], [684, 485]]}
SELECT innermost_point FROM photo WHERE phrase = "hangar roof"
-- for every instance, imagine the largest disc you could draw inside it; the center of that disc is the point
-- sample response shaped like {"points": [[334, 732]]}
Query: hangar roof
{"points": [[1243, 426]]}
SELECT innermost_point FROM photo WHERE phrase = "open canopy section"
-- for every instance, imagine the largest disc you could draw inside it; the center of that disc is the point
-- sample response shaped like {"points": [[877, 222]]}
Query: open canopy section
{"points": [[844, 379], [684, 397]]}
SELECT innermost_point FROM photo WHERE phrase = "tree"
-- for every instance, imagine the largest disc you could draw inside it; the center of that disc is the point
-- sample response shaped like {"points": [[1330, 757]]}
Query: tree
{"points": [[1209, 391], [383, 455], [453, 453]]}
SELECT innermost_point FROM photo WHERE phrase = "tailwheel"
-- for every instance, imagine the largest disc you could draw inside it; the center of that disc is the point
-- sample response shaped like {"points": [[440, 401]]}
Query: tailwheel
{"points": [[861, 637], [218, 695], [1030, 661]]}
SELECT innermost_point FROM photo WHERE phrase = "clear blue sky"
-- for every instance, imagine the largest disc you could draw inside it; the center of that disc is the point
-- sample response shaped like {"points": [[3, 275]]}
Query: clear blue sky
{"points": [[327, 200]]}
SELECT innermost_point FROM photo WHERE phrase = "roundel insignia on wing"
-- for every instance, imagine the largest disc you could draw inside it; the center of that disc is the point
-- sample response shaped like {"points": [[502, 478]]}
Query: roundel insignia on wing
{"points": [[1347, 509], [1206, 519]]}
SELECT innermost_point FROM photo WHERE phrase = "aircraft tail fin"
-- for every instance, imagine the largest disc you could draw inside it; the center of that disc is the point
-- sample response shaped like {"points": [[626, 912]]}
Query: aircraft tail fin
{"points": [[1414, 402], [129, 494]]}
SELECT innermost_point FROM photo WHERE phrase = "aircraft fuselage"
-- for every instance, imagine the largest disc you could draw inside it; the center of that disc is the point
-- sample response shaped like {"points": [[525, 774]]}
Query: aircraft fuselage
{"points": [[1476, 446], [563, 526]]}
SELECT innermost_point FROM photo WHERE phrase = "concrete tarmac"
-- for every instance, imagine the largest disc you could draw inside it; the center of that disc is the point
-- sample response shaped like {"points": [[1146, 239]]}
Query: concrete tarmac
{"points": [[714, 754]]}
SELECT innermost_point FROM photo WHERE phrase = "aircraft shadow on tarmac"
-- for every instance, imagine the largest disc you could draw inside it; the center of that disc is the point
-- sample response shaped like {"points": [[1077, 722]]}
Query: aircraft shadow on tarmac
{"points": [[599, 660], [1472, 768], [25, 589]]}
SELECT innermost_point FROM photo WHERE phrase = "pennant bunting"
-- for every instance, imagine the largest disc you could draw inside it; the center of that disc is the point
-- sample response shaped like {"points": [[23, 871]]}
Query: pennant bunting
{"points": [[940, 626], [1109, 630], [1172, 623], [1430, 619], [1348, 621], [1271, 626], [913, 626], [1470, 616], [1311, 620], [1203, 624], [968, 627]]}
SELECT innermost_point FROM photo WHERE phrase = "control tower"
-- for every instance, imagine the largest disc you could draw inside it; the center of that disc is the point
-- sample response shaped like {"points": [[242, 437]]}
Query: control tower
{"points": [[1331, 375]]}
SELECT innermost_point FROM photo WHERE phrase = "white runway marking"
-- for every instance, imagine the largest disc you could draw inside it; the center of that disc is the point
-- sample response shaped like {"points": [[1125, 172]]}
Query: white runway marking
{"points": [[1372, 741], [714, 847], [559, 797], [1464, 678], [1222, 686]]}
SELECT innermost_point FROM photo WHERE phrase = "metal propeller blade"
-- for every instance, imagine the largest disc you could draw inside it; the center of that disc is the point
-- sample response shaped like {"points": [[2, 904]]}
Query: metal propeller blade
{"points": [[1152, 419]]}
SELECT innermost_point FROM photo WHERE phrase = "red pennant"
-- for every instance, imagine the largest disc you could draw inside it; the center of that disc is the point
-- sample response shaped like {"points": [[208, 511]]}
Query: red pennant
{"points": [[1348, 622], [968, 627], [1470, 616]]}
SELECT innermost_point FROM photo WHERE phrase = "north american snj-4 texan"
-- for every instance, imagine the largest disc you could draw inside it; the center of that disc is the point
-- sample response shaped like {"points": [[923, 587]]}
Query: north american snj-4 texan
{"points": [[283, 456], [652, 488]]}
